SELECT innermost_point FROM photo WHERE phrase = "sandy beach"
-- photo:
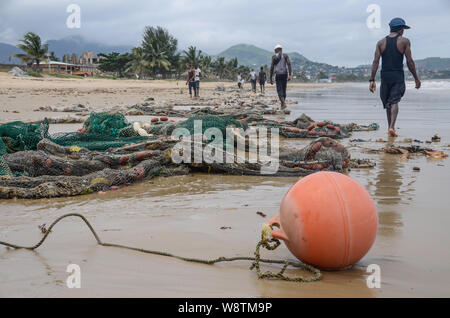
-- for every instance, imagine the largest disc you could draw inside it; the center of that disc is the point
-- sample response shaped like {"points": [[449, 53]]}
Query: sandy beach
{"points": [[184, 214], [24, 95]]}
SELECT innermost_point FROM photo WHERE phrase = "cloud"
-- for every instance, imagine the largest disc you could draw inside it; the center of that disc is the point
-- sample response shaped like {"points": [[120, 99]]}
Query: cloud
{"points": [[322, 30]]}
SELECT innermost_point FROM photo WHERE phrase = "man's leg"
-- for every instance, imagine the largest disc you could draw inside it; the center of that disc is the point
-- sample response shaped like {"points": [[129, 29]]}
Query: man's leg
{"points": [[388, 113], [394, 113], [284, 86], [278, 81]]}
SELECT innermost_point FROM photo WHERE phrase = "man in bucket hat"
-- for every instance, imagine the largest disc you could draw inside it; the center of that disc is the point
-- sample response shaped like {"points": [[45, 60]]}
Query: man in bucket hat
{"points": [[392, 48]]}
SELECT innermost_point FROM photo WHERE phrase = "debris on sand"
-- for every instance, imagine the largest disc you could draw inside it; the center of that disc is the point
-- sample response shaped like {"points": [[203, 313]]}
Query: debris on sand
{"points": [[436, 138], [18, 72], [78, 108], [261, 214]]}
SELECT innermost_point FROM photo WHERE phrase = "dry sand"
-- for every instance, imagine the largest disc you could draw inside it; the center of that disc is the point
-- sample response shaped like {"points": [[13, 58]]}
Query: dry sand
{"points": [[23, 95]]}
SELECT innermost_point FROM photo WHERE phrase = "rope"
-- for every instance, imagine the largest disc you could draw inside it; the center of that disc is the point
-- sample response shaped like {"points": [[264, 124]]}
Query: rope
{"points": [[268, 243]]}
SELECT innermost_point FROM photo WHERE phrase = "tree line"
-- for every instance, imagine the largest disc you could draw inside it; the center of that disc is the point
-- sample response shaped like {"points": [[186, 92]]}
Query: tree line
{"points": [[157, 57]]}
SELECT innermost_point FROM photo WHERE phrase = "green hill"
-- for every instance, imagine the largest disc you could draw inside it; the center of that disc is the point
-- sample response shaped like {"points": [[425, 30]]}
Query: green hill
{"points": [[434, 64], [249, 55]]}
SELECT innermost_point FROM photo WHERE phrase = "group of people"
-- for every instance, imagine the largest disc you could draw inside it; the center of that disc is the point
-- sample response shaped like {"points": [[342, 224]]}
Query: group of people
{"points": [[281, 66], [193, 80], [392, 49], [261, 77]]}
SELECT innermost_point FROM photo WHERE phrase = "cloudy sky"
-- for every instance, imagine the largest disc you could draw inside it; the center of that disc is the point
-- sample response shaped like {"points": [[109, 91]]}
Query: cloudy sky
{"points": [[328, 31]]}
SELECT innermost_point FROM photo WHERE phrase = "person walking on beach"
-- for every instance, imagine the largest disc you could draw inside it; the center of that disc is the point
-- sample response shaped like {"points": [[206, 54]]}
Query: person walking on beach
{"points": [[197, 76], [262, 80], [252, 79], [239, 80], [391, 49], [190, 79], [283, 71]]}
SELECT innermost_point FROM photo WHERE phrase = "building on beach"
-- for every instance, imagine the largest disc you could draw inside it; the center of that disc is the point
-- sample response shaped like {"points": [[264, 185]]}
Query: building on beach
{"points": [[83, 66], [67, 68]]}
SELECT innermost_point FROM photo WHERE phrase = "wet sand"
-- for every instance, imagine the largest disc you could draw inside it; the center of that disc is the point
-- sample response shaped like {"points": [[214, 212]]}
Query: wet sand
{"points": [[183, 215]]}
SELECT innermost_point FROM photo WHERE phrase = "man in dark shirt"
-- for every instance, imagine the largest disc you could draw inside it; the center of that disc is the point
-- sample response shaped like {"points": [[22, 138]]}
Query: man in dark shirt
{"points": [[262, 79], [190, 79], [283, 71], [392, 48]]}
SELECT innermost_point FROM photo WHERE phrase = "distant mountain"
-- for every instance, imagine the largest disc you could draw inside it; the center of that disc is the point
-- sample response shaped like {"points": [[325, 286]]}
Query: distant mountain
{"points": [[246, 54], [78, 45], [68, 45], [6, 50], [251, 55], [434, 64]]}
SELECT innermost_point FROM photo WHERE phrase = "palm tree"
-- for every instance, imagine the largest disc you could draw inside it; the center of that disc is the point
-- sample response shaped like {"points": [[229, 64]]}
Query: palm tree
{"points": [[191, 56], [205, 64], [138, 63], [35, 52], [219, 67], [160, 49]]}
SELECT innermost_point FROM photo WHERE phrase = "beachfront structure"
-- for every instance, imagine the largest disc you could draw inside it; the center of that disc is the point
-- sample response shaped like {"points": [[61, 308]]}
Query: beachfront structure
{"points": [[67, 68], [89, 58]]}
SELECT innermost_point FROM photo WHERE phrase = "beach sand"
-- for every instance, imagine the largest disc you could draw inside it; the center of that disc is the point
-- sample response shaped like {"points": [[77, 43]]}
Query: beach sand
{"points": [[183, 215]]}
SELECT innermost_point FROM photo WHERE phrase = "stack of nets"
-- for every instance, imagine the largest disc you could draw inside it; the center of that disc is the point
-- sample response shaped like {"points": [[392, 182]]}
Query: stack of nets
{"points": [[101, 131], [205, 122], [211, 121], [18, 136]]}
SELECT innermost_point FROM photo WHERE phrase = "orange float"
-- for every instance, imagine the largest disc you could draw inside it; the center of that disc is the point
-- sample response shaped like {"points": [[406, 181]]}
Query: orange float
{"points": [[327, 220]]}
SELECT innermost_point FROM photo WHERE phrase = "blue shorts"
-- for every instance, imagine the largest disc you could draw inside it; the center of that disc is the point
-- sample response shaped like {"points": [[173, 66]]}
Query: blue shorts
{"points": [[191, 86], [197, 84]]}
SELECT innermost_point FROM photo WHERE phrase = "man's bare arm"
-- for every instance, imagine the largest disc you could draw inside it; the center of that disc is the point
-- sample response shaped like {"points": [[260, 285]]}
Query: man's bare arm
{"points": [[376, 62], [409, 60]]}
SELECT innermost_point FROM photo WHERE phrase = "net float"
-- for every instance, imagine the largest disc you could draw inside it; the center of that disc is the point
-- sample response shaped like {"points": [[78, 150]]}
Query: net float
{"points": [[154, 120], [330, 126], [327, 220], [310, 127], [163, 118], [316, 147], [320, 124]]}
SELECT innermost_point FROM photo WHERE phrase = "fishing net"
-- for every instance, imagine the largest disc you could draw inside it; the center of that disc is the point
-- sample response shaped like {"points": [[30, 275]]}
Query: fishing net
{"points": [[18, 136], [210, 121], [94, 141], [109, 124]]}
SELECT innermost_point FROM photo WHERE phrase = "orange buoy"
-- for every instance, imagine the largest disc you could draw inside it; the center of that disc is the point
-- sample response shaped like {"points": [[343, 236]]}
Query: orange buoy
{"points": [[327, 220]]}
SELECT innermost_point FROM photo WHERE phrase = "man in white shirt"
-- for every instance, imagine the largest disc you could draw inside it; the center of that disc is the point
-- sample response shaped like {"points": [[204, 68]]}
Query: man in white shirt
{"points": [[253, 80], [197, 81]]}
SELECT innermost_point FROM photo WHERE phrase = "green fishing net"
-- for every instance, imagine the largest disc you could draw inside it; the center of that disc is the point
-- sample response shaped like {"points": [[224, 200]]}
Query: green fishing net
{"points": [[210, 121], [105, 124]]}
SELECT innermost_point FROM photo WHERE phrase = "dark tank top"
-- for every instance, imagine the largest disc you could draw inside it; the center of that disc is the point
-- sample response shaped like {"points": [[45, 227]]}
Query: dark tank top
{"points": [[392, 62]]}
